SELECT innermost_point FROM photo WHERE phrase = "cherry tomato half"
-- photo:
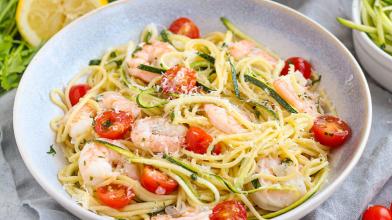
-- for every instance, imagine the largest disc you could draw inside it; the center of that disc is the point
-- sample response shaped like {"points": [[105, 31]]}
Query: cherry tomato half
{"points": [[115, 195], [76, 92], [330, 130], [229, 210], [300, 64], [197, 140], [157, 182], [178, 79], [185, 26], [377, 212], [113, 125]]}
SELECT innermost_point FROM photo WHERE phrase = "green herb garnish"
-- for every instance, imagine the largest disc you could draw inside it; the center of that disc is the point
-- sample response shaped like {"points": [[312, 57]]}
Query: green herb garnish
{"points": [[51, 151], [137, 49], [107, 123], [113, 54], [287, 161], [94, 62], [256, 183], [316, 80]]}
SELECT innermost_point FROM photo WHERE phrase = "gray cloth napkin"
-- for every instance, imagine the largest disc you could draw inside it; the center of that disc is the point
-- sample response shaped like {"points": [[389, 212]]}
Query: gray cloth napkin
{"points": [[370, 183]]}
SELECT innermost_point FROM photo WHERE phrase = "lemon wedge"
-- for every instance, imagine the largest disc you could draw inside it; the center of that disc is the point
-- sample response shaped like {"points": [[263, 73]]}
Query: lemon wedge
{"points": [[38, 20]]}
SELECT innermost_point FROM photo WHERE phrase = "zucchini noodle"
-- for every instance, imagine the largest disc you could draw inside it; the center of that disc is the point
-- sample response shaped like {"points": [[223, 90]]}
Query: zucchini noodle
{"points": [[260, 145]]}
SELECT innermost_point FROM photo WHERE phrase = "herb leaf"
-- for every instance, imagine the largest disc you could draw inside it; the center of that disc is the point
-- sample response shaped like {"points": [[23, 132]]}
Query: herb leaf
{"points": [[51, 151], [256, 183], [94, 62], [15, 54]]}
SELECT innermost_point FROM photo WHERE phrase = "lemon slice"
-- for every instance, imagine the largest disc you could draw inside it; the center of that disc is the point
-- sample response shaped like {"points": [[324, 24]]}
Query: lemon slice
{"points": [[38, 20]]}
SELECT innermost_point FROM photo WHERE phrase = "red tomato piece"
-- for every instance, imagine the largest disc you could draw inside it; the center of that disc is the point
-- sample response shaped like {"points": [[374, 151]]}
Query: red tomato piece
{"points": [[115, 195], [377, 212], [157, 182], [113, 125], [300, 64], [178, 79], [76, 92], [197, 140], [229, 210], [217, 149], [330, 130], [185, 26]]}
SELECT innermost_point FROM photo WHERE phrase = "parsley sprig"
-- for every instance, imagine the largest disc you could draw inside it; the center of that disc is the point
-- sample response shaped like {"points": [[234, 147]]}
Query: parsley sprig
{"points": [[15, 53]]}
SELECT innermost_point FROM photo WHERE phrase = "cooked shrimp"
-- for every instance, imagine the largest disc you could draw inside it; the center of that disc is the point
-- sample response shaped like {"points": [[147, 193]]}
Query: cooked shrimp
{"points": [[97, 163], [149, 55], [245, 48], [82, 121], [303, 101], [276, 199], [117, 102], [158, 135], [220, 119]]}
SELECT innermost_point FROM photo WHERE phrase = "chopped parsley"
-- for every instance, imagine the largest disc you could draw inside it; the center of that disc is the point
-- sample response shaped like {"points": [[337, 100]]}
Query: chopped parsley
{"points": [[256, 183], [287, 161], [107, 123], [118, 62], [328, 134], [113, 54], [51, 151], [194, 176], [316, 80], [94, 62]]}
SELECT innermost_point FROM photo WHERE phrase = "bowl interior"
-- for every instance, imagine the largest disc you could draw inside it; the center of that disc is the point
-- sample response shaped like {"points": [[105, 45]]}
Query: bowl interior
{"points": [[279, 28]]}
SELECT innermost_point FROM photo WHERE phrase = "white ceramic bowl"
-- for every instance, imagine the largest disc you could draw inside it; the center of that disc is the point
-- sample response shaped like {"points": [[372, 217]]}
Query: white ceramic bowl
{"points": [[280, 28], [376, 62]]}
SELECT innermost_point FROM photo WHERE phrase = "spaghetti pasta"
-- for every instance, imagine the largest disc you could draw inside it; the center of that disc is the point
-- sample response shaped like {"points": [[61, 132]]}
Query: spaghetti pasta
{"points": [[258, 150]]}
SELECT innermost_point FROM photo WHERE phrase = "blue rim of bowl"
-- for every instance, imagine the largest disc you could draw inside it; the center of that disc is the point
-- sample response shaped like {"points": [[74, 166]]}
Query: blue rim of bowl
{"points": [[297, 212], [356, 16]]}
